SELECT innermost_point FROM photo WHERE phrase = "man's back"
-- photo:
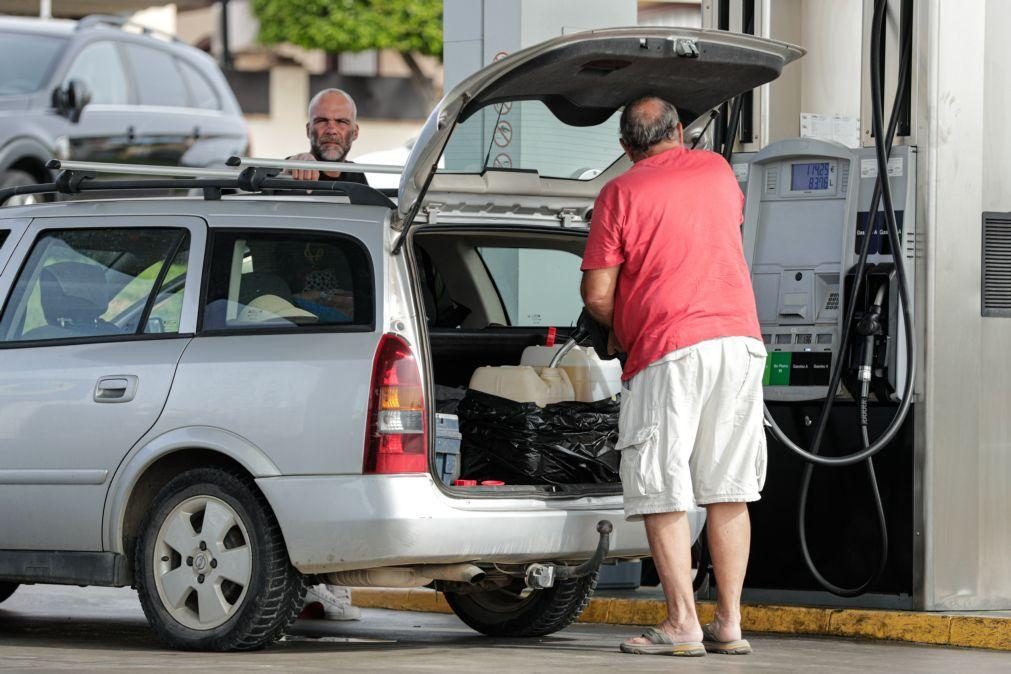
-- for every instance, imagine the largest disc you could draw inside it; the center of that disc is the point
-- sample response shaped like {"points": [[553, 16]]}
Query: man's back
{"points": [[672, 222]]}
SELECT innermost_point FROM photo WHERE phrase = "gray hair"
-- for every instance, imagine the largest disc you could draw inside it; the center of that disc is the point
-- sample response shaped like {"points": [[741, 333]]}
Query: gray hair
{"points": [[327, 92], [646, 121]]}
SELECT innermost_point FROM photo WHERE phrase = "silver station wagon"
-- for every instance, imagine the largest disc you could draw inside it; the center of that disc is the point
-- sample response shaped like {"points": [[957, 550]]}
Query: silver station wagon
{"points": [[220, 397]]}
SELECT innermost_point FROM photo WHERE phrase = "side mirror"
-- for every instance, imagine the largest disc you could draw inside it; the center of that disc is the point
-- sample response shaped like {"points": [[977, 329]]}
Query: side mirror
{"points": [[70, 100]]}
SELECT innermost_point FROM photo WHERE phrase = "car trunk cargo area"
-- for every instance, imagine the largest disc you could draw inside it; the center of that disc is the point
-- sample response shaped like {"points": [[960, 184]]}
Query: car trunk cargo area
{"points": [[505, 423]]}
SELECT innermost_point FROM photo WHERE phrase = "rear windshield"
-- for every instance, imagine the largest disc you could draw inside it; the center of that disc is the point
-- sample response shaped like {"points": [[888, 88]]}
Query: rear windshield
{"points": [[26, 60], [525, 135]]}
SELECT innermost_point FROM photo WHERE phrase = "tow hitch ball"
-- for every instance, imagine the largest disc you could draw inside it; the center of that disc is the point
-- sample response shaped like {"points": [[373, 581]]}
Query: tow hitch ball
{"points": [[542, 576]]}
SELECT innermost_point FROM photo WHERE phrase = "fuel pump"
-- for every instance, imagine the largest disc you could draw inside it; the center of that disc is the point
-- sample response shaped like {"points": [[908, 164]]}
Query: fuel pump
{"points": [[833, 294]]}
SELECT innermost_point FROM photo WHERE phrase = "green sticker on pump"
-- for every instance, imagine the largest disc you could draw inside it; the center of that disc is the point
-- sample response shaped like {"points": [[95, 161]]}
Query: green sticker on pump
{"points": [[780, 368], [767, 375]]}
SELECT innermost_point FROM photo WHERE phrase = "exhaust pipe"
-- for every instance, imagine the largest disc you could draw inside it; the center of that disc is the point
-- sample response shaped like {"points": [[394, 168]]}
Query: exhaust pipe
{"points": [[406, 576]]}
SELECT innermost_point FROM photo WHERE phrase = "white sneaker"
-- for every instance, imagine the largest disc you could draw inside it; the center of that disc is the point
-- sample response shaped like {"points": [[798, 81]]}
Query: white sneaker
{"points": [[335, 600]]}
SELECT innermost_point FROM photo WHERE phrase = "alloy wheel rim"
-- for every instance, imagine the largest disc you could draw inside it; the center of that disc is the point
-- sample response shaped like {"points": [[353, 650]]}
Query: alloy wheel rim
{"points": [[203, 562], [23, 200]]}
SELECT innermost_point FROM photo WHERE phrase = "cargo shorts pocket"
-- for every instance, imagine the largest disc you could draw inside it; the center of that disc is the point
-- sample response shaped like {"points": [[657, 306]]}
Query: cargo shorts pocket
{"points": [[640, 470]]}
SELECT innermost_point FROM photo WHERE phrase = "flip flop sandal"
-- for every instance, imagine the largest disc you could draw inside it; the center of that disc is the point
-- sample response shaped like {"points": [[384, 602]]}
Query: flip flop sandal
{"points": [[714, 645], [661, 644]]}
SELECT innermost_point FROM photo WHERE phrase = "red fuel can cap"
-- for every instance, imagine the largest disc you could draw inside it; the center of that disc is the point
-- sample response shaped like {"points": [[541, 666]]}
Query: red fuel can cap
{"points": [[492, 483], [552, 334]]}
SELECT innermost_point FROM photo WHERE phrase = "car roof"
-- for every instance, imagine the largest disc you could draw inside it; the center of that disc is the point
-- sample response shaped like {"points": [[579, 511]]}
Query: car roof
{"points": [[275, 208], [17, 24]]}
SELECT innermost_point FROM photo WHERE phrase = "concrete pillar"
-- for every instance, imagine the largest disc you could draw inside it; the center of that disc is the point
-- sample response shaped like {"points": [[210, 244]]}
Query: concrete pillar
{"points": [[957, 548]]}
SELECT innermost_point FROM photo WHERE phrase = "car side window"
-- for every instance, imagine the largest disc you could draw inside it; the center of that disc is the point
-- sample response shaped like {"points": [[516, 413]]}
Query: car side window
{"points": [[101, 68], [202, 94], [538, 286], [290, 280], [4, 233], [157, 76], [88, 283]]}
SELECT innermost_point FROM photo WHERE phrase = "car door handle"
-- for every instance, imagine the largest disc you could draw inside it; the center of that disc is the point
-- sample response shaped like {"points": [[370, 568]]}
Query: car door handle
{"points": [[131, 134], [120, 388]]}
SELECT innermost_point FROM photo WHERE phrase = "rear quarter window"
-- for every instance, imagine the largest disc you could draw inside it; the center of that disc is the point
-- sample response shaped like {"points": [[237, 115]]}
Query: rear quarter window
{"points": [[156, 76], [202, 92], [288, 281]]}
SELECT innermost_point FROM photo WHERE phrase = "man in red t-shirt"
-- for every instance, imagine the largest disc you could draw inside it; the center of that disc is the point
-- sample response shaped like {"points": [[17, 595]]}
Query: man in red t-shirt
{"points": [[665, 269]]}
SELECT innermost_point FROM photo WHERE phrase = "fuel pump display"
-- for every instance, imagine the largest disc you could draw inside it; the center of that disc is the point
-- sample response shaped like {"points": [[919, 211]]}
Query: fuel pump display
{"points": [[803, 238], [794, 239]]}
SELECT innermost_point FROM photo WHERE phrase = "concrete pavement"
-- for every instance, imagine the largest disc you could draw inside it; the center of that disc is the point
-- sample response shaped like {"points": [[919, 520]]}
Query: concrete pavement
{"points": [[98, 629]]}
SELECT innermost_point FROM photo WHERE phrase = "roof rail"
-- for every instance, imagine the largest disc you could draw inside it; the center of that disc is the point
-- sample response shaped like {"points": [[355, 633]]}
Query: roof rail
{"points": [[76, 177], [95, 20], [328, 166]]}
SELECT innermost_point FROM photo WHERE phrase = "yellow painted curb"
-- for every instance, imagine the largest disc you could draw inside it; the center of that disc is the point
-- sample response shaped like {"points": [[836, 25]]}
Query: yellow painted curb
{"points": [[971, 631]]}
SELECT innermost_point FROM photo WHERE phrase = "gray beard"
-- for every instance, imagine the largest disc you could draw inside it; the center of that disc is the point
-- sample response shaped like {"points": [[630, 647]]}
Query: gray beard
{"points": [[318, 154]]}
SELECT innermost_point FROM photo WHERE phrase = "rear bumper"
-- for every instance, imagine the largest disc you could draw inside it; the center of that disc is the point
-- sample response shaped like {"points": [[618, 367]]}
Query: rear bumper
{"points": [[335, 523]]}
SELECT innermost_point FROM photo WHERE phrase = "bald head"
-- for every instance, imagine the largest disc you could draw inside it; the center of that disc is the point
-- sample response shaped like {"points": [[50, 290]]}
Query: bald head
{"points": [[332, 126], [336, 96], [649, 124]]}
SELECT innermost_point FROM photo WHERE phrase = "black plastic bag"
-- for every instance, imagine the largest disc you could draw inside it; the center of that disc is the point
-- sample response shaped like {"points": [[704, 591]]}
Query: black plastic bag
{"points": [[523, 443]]}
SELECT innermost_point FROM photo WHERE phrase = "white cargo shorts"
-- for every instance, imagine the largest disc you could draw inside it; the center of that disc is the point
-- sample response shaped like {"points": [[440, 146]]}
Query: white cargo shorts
{"points": [[691, 430]]}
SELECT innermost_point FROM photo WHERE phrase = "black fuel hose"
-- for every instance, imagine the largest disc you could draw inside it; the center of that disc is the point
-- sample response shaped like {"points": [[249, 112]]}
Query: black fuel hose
{"points": [[883, 146], [882, 190]]}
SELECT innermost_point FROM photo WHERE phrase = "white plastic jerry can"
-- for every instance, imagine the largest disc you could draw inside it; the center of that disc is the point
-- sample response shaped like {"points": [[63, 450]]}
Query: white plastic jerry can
{"points": [[592, 379], [524, 384]]}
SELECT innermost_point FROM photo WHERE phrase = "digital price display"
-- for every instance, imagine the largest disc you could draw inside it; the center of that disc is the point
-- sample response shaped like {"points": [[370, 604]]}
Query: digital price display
{"points": [[813, 176]]}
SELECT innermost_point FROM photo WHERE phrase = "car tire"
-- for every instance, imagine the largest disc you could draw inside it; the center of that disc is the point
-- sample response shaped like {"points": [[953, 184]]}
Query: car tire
{"points": [[6, 590], [15, 178], [211, 567], [504, 613]]}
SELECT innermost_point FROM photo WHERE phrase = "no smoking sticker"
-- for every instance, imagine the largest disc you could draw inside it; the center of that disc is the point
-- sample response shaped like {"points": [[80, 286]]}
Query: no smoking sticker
{"points": [[503, 134], [502, 160]]}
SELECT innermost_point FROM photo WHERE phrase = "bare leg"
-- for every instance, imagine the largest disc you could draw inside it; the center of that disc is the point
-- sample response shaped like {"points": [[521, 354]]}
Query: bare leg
{"points": [[670, 544], [728, 531]]}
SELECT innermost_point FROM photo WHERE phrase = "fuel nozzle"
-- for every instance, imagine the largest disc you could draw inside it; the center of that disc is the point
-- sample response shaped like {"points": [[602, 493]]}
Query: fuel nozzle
{"points": [[869, 327]]}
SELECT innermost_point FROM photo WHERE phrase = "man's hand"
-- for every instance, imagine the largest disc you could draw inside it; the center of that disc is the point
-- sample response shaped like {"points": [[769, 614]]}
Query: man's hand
{"points": [[303, 174], [598, 293]]}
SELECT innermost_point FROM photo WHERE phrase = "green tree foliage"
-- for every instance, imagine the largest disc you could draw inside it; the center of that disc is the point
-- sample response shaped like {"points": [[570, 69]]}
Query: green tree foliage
{"points": [[353, 25]]}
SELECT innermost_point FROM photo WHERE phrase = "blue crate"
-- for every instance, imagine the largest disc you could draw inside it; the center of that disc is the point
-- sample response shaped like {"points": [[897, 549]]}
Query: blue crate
{"points": [[447, 447], [620, 576]]}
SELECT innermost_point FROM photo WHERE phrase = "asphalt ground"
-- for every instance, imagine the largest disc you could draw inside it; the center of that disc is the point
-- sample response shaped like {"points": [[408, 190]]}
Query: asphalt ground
{"points": [[53, 628]]}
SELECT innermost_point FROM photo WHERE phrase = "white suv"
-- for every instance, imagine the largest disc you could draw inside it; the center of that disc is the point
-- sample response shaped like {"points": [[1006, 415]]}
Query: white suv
{"points": [[217, 399]]}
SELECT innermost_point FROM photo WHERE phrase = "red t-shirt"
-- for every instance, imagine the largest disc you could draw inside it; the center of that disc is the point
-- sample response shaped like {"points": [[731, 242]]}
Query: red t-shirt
{"points": [[673, 223]]}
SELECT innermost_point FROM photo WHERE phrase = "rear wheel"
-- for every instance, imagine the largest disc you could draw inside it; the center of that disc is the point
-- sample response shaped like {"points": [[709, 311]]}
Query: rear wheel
{"points": [[14, 178], [6, 590], [515, 612], [212, 569]]}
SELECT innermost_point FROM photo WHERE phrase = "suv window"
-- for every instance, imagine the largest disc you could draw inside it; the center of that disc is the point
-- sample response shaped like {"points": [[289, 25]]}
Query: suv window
{"points": [[157, 76], [100, 67], [26, 61], [289, 280], [538, 286], [96, 283], [4, 233], [202, 94]]}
